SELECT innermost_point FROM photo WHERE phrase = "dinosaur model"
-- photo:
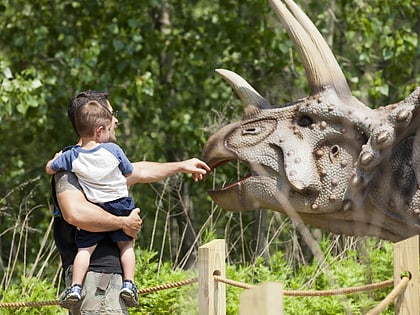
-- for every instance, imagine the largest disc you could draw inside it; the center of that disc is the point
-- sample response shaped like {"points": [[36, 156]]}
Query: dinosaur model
{"points": [[328, 158]]}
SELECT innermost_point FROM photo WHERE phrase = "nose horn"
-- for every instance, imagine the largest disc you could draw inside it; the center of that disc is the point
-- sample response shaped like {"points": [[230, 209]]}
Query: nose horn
{"points": [[300, 168]]}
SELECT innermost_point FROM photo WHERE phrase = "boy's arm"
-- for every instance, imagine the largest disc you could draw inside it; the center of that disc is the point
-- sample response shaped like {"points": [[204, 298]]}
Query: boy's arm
{"points": [[151, 172], [48, 168], [78, 211]]}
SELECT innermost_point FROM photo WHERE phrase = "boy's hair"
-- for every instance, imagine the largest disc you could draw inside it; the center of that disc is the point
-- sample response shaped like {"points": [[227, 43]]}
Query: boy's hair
{"points": [[90, 116], [83, 98]]}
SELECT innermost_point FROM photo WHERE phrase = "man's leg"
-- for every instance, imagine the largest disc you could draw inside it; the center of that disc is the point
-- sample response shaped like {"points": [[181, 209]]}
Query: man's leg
{"points": [[101, 295]]}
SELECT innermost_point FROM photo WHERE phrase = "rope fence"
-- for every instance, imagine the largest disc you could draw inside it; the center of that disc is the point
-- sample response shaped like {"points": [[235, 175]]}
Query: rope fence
{"points": [[390, 297], [28, 304], [167, 286], [216, 277], [341, 291]]}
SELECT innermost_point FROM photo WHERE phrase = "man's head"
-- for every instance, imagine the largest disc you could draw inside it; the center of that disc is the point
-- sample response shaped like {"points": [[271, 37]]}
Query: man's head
{"points": [[83, 98], [93, 120]]}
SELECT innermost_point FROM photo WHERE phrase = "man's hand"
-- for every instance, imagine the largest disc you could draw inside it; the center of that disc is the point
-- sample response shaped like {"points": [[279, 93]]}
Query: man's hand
{"points": [[133, 223], [196, 167]]}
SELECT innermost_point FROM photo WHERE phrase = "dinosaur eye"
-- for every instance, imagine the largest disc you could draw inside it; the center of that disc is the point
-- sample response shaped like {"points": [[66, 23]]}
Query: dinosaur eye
{"points": [[304, 121], [335, 149]]}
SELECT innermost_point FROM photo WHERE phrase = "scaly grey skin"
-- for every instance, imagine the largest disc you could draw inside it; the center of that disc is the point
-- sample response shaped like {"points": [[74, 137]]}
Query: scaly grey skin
{"points": [[328, 158]]}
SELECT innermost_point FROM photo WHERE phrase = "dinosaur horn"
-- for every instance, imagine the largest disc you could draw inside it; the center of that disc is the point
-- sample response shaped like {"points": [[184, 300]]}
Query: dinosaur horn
{"points": [[321, 67], [250, 98]]}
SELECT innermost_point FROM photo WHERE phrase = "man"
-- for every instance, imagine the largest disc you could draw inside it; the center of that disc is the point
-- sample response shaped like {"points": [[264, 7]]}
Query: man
{"points": [[101, 287]]}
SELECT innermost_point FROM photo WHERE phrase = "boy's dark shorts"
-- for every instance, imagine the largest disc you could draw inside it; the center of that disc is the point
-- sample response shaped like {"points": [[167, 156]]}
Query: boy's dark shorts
{"points": [[119, 207]]}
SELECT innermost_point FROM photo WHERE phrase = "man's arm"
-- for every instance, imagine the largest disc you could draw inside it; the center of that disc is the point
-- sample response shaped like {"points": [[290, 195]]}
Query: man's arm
{"points": [[151, 172], [78, 211]]}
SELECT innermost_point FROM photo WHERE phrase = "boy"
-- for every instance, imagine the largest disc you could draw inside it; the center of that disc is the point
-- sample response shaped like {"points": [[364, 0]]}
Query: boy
{"points": [[101, 168]]}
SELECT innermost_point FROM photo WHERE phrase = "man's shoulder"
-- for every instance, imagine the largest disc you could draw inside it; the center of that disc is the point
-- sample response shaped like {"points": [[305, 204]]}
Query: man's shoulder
{"points": [[110, 145], [69, 147]]}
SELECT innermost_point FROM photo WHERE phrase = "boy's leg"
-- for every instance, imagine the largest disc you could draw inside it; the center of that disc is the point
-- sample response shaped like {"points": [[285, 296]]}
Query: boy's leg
{"points": [[81, 264], [128, 259], [73, 310], [129, 291], [73, 294]]}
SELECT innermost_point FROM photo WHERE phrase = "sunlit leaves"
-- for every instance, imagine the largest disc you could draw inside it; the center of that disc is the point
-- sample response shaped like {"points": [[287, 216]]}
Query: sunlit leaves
{"points": [[17, 91]]}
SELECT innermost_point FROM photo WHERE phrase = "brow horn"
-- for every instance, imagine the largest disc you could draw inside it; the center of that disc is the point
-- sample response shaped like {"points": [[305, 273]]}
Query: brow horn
{"points": [[321, 67]]}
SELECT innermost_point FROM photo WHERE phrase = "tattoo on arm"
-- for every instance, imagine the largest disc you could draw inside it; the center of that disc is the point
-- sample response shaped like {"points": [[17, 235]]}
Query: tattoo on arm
{"points": [[66, 181]]}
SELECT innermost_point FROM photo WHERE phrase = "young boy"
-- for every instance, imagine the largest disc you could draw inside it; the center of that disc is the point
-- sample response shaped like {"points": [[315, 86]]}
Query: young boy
{"points": [[101, 168]]}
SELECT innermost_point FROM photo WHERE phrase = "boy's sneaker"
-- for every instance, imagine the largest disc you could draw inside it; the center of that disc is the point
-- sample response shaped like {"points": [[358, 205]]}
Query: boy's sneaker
{"points": [[71, 296], [129, 293]]}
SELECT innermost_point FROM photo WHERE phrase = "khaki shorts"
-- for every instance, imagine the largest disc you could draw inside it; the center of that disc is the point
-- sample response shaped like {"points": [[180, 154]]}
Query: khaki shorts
{"points": [[100, 295]]}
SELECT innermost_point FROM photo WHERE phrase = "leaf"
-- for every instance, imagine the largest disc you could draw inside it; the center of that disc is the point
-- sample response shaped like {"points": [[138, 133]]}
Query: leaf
{"points": [[8, 73], [36, 84]]}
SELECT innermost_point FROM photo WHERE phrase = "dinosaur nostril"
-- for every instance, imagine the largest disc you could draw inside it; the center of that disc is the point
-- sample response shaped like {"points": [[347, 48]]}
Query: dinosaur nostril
{"points": [[251, 131]]}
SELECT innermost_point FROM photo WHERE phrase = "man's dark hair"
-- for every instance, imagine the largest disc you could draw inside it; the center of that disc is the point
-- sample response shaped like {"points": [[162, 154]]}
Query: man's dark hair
{"points": [[84, 97]]}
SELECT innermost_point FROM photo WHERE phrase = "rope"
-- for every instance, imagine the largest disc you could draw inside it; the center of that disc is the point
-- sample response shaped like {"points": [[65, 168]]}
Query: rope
{"points": [[167, 286], [234, 283], [28, 304], [141, 291], [341, 291], [390, 297]]}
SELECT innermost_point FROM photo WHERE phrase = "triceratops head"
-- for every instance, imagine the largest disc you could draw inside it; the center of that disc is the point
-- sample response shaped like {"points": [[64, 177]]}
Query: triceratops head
{"points": [[338, 164]]}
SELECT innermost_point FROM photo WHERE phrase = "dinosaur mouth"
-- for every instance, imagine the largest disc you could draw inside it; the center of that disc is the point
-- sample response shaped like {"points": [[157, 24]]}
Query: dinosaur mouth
{"points": [[241, 170], [251, 191]]}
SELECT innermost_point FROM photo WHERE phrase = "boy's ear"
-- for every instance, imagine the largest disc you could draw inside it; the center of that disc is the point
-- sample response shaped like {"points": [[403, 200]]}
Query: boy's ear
{"points": [[98, 130]]}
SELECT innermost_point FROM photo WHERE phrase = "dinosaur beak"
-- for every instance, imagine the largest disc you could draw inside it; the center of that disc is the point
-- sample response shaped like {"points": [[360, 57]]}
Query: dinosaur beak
{"points": [[215, 152]]}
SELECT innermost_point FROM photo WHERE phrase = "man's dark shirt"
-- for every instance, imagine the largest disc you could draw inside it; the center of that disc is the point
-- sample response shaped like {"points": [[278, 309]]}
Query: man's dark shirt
{"points": [[105, 258]]}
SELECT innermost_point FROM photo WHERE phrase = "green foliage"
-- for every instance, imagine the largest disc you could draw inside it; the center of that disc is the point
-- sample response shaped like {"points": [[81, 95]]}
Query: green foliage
{"points": [[30, 290], [384, 43], [150, 272], [345, 271]]}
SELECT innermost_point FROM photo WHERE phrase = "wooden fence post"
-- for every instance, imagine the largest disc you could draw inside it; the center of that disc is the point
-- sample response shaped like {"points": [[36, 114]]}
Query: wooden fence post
{"points": [[211, 294], [265, 299], [406, 258]]}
